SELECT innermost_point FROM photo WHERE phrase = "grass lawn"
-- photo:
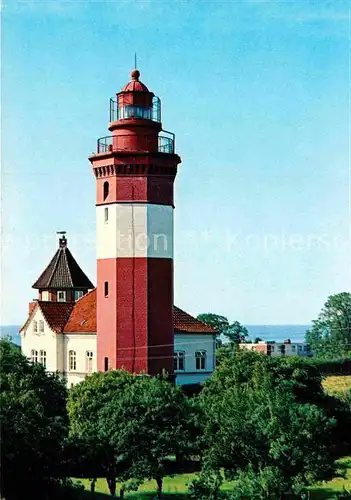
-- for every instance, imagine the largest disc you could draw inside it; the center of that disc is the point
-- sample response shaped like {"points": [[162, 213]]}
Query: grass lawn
{"points": [[337, 383], [175, 488]]}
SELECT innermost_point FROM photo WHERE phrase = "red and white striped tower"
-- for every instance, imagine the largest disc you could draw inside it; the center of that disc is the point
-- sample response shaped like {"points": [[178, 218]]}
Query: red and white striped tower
{"points": [[135, 169]]}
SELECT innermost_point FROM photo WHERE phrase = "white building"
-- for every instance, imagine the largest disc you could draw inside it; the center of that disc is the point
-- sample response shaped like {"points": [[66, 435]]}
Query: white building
{"points": [[279, 349], [60, 331]]}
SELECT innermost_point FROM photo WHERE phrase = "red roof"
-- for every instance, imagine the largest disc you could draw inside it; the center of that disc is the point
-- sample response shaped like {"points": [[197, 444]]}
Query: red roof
{"points": [[80, 317], [83, 316], [135, 85], [184, 322], [56, 314]]}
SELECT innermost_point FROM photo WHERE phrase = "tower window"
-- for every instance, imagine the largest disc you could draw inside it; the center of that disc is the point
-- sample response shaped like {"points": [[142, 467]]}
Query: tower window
{"points": [[61, 296], [78, 294], [200, 359], [42, 358], [106, 189], [106, 364], [179, 357], [106, 215], [106, 288], [41, 326], [34, 356], [89, 361], [72, 360]]}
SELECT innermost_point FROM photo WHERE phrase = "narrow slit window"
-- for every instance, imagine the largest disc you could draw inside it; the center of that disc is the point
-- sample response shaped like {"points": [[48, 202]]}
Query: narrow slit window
{"points": [[106, 288], [106, 189], [106, 364], [106, 215]]}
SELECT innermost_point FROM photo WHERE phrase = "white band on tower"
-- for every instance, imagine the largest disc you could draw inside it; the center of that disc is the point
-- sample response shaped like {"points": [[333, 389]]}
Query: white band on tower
{"points": [[134, 230]]}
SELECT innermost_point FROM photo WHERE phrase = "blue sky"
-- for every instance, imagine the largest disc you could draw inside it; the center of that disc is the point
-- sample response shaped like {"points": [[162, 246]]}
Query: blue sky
{"points": [[257, 94]]}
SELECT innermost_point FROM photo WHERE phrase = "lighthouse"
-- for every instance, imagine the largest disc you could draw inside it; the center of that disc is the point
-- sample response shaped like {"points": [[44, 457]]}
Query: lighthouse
{"points": [[135, 168]]}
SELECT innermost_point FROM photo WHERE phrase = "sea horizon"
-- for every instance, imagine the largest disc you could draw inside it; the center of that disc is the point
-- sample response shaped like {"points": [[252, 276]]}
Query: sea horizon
{"points": [[274, 331]]}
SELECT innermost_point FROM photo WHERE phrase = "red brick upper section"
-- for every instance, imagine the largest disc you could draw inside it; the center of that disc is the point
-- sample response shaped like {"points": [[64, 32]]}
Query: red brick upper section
{"points": [[80, 317]]}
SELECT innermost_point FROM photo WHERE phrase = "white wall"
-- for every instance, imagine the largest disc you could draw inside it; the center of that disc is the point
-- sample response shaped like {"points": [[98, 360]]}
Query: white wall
{"points": [[289, 348], [80, 343], [190, 343], [58, 345], [152, 234], [46, 341]]}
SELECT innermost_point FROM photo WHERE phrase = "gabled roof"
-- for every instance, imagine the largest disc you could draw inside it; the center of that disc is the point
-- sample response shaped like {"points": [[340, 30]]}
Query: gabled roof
{"points": [[185, 323], [56, 314], [63, 272], [80, 317]]}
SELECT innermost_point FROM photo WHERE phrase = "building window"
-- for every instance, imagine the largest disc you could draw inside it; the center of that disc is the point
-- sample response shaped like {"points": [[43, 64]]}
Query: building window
{"points": [[179, 358], [106, 288], [106, 364], [78, 294], [106, 215], [35, 326], [106, 189], [270, 349], [42, 358], [89, 361], [200, 358], [34, 356], [293, 348], [61, 296], [72, 361], [282, 349], [41, 326]]}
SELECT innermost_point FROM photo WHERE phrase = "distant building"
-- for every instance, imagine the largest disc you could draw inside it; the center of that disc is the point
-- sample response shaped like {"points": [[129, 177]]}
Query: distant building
{"points": [[278, 349]]}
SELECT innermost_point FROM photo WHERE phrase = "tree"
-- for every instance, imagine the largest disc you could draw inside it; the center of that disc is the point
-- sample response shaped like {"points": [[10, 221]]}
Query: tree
{"points": [[141, 419], [34, 424], [261, 430], [235, 331], [330, 336]]}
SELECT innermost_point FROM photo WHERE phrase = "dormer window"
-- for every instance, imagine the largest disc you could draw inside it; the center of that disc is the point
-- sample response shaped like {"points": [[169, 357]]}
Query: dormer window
{"points": [[61, 296]]}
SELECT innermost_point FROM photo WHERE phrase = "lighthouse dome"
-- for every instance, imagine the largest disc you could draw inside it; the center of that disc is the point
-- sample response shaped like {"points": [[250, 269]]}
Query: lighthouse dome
{"points": [[135, 85]]}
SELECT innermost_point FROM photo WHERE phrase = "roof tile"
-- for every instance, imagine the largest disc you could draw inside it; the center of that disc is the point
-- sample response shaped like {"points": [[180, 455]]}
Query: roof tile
{"points": [[63, 272], [80, 317]]}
